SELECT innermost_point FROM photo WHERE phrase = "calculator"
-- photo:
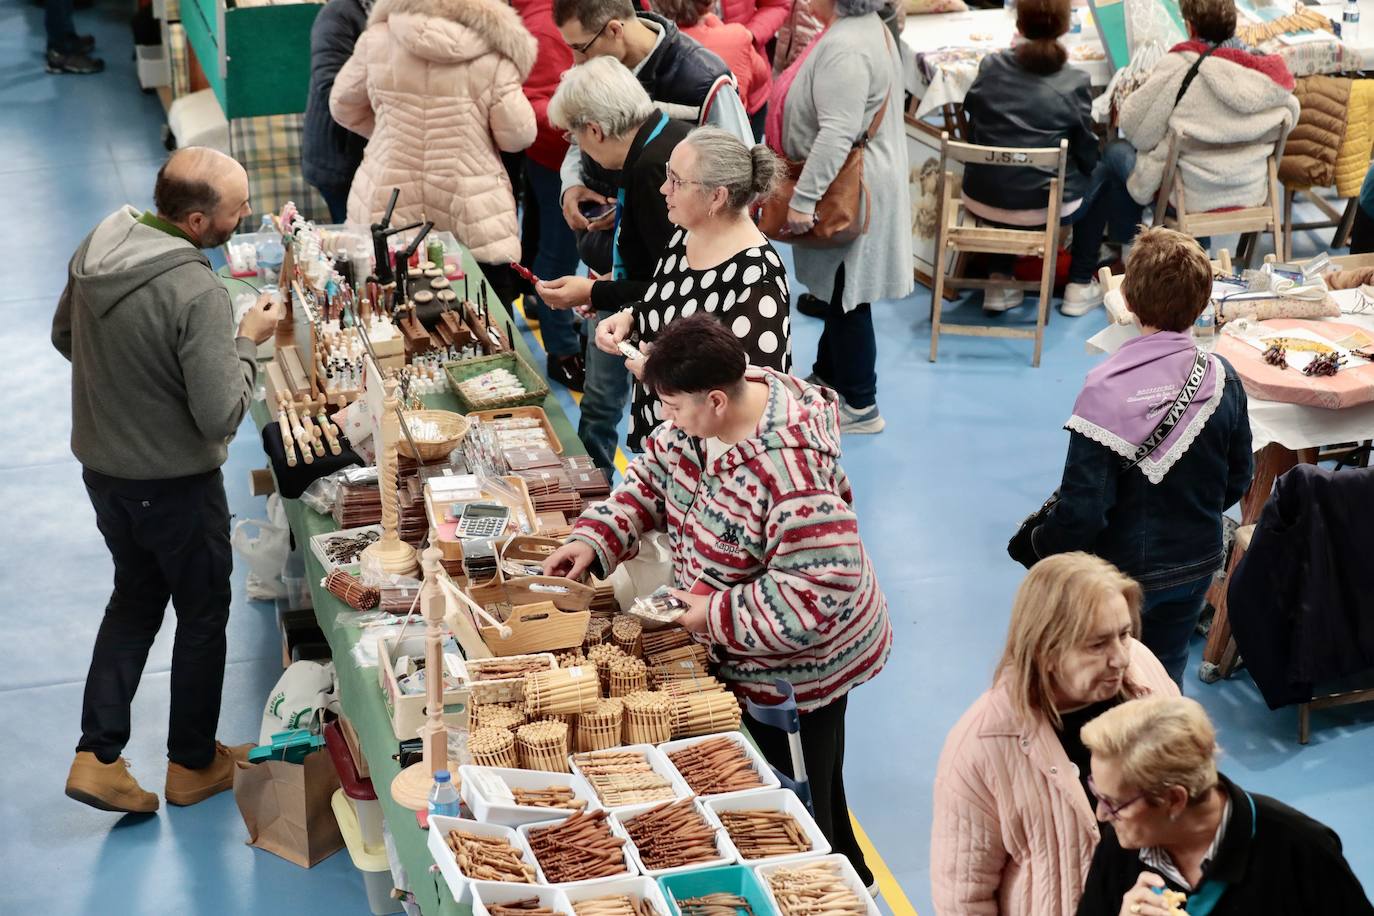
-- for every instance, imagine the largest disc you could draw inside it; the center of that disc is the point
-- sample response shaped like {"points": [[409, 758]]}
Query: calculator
{"points": [[483, 520]]}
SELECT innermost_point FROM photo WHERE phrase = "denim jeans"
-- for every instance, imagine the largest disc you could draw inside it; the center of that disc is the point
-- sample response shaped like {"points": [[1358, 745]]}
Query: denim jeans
{"points": [[605, 395], [1167, 621], [57, 20], [555, 256], [1116, 212], [847, 355]]}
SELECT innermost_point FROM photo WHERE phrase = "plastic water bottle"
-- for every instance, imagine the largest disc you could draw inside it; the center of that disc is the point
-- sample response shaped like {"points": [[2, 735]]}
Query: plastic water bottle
{"points": [[270, 252], [1350, 23], [1205, 329], [443, 798]]}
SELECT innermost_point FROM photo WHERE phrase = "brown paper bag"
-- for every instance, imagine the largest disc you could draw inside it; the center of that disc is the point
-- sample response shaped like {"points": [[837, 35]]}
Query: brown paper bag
{"points": [[286, 807]]}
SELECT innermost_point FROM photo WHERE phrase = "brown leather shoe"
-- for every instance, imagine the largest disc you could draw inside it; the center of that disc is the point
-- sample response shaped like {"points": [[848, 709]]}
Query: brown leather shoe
{"points": [[186, 786], [108, 786]]}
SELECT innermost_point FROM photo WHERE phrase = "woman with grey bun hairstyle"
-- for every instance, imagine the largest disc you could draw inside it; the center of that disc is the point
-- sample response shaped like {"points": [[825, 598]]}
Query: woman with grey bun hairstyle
{"points": [[716, 262], [821, 104]]}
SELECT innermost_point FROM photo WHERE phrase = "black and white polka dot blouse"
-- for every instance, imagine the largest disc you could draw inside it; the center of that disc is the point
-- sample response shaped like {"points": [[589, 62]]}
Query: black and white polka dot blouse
{"points": [[748, 293]]}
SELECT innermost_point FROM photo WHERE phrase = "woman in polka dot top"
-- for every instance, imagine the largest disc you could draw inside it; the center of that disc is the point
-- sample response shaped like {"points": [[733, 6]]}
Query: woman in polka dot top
{"points": [[716, 262]]}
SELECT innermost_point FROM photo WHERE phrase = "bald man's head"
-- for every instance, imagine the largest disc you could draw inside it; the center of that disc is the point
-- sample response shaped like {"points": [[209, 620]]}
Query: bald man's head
{"points": [[204, 192]]}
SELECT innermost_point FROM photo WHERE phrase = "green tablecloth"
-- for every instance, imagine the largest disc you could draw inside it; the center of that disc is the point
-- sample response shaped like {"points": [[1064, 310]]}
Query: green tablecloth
{"points": [[360, 693]]}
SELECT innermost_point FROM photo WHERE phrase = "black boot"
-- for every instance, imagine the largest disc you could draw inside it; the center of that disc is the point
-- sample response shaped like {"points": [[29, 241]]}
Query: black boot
{"points": [[569, 371], [812, 307]]}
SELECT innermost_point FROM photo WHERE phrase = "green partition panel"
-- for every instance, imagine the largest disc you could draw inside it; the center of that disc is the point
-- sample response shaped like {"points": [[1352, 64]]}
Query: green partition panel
{"points": [[257, 60]]}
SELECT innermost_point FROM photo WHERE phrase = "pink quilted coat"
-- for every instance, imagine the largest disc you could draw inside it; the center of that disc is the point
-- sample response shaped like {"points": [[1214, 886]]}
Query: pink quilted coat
{"points": [[436, 87], [762, 18], [1014, 832]]}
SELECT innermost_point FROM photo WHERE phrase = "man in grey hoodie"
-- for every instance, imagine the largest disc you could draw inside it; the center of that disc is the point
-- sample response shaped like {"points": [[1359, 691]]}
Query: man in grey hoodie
{"points": [[160, 383]]}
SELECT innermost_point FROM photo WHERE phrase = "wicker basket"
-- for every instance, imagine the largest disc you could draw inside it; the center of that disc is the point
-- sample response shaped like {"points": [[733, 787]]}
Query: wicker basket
{"points": [[452, 427], [536, 389], [600, 729]]}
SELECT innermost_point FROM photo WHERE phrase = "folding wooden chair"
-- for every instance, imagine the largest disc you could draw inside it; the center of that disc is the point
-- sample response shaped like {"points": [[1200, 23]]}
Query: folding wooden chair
{"points": [[1248, 221], [961, 232]]}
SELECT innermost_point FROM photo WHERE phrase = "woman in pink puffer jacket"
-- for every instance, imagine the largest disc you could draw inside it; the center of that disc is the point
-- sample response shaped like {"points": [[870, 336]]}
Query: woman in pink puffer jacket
{"points": [[436, 87], [762, 18]]}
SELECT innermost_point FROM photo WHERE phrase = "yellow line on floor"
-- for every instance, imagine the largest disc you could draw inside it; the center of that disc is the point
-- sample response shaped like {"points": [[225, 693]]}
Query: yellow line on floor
{"points": [[887, 883]]}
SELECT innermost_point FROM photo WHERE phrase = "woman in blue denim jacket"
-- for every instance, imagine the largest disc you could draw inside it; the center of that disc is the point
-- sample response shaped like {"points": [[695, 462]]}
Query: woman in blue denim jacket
{"points": [[1158, 520]]}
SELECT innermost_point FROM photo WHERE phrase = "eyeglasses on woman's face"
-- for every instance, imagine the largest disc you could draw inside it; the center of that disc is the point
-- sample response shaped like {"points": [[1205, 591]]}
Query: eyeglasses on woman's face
{"points": [[676, 181], [1113, 807]]}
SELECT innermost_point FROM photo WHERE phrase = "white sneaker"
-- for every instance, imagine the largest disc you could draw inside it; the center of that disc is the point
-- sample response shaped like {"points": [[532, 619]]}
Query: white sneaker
{"points": [[1001, 300], [1081, 298], [861, 422]]}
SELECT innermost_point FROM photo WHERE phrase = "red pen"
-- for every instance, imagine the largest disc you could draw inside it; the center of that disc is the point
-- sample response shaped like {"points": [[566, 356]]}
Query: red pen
{"points": [[524, 272]]}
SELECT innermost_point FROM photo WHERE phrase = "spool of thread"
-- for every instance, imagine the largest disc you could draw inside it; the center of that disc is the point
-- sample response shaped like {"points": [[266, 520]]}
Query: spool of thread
{"points": [[434, 252]]}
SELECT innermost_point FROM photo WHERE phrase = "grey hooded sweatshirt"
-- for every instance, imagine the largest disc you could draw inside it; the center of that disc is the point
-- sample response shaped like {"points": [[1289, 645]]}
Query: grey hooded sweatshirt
{"points": [[159, 382]]}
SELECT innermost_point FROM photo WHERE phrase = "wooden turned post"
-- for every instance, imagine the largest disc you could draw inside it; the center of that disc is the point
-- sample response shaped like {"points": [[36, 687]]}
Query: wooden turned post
{"points": [[411, 786], [395, 556]]}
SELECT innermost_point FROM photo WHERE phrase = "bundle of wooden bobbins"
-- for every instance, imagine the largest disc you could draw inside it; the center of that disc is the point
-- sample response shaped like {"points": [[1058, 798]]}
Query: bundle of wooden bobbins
{"points": [[604, 656], [758, 834], [618, 905], [571, 659], [663, 640], [704, 714], [682, 687], [716, 766], [805, 890], [662, 675], [579, 848], [493, 747], [498, 715], [600, 728], [500, 669], [543, 746], [489, 858], [692, 652], [628, 675], [597, 630], [562, 691], [672, 835], [549, 797], [714, 905], [648, 718], [527, 907], [622, 778], [626, 632], [348, 589]]}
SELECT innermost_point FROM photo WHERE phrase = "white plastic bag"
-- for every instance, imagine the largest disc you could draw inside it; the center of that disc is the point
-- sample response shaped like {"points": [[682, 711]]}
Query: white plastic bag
{"points": [[266, 554], [650, 568], [302, 694]]}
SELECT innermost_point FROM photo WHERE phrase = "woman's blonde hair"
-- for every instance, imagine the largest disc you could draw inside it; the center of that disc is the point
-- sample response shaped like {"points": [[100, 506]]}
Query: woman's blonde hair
{"points": [[1158, 742], [1053, 612]]}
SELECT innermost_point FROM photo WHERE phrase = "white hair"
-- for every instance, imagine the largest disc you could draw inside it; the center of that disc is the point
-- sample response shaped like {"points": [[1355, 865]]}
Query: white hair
{"points": [[603, 92]]}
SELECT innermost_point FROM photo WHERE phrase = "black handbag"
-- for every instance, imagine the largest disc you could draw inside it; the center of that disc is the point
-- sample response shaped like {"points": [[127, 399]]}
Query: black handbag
{"points": [[1020, 548]]}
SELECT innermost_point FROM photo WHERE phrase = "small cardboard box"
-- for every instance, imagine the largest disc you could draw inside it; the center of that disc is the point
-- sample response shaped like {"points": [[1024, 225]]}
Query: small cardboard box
{"points": [[408, 710]]}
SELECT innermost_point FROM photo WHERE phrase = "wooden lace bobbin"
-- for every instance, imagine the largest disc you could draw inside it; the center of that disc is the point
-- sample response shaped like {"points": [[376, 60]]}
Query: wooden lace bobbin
{"points": [[704, 714], [716, 766], [527, 907], [694, 652], [352, 592], [656, 641], [758, 834], [803, 890], [598, 628], [600, 728], [496, 669], [562, 691], [543, 746], [572, 659], [615, 905], [488, 858], [648, 718], [604, 655], [628, 675], [493, 747], [548, 797], [579, 848], [498, 715], [685, 686], [623, 778], [672, 835], [662, 675], [626, 633], [715, 905]]}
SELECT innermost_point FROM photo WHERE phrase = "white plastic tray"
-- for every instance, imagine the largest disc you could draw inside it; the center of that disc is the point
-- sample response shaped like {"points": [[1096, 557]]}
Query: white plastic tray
{"points": [[728, 855], [847, 874], [656, 759], [775, 800], [631, 869], [761, 766], [636, 888], [495, 811], [492, 893], [458, 882]]}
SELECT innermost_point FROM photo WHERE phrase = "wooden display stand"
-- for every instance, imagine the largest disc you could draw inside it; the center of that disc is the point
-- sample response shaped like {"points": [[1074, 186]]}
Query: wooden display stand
{"points": [[394, 555]]}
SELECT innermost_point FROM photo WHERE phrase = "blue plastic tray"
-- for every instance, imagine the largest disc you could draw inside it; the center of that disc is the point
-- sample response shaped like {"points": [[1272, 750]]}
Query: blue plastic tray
{"points": [[728, 879]]}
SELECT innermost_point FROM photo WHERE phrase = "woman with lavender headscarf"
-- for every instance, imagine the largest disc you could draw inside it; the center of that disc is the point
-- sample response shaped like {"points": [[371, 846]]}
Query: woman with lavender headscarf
{"points": [[1157, 517]]}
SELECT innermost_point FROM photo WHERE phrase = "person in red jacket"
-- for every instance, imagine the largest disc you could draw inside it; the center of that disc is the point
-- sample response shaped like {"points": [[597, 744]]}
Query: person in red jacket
{"points": [[734, 43], [762, 18], [549, 245]]}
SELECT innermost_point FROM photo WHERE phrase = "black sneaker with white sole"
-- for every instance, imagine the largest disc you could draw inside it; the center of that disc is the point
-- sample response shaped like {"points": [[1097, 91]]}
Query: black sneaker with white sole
{"points": [[74, 62]]}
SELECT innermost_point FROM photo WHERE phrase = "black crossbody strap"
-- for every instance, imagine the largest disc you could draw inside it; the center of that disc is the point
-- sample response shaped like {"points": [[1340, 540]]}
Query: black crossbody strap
{"points": [[1191, 385], [1192, 72]]}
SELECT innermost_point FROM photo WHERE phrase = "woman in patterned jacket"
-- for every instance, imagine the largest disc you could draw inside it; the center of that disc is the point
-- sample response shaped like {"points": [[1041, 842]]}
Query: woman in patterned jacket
{"points": [[744, 478]]}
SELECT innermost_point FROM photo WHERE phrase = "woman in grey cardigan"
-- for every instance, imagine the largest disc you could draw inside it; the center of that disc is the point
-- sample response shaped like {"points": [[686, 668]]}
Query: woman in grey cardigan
{"points": [[843, 79]]}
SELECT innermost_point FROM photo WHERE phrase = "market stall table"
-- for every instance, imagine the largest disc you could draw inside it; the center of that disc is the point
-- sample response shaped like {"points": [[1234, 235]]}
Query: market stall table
{"points": [[359, 692]]}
